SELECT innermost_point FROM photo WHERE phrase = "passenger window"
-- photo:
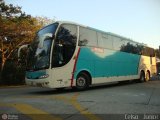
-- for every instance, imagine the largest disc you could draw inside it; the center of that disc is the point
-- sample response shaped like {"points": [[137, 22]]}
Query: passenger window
{"points": [[87, 37], [118, 43], [100, 41], [107, 41], [64, 45]]}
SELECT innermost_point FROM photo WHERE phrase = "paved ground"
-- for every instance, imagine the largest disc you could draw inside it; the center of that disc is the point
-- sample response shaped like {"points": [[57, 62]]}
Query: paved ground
{"points": [[110, 102]]}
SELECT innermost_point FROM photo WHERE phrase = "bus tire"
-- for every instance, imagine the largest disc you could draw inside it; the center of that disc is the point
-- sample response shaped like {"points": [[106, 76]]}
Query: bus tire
{"points": [[142, 77], [82, 81], [147, 76]]}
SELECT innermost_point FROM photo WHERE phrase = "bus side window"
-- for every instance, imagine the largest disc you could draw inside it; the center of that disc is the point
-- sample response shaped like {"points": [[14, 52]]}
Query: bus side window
{"points": [[87, 37]]}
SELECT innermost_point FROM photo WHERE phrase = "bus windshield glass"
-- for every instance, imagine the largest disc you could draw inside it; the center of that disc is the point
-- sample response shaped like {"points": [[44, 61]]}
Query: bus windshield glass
{"points": [[39, 51]]}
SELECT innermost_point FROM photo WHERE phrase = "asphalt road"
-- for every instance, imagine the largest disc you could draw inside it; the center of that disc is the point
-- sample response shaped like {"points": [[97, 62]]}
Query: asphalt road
{"points": [[124, 101]]}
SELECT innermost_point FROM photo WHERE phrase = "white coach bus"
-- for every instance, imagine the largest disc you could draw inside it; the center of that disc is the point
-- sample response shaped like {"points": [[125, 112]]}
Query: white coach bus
{"points": [[66, 54]]}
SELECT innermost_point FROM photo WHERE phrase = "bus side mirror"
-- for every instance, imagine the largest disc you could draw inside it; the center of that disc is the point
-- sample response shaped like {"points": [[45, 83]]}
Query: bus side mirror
{"points": [[19, 50]]}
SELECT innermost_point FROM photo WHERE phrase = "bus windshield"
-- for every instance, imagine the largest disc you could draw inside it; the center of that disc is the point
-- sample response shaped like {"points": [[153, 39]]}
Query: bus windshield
{"points": [[39, 51]]}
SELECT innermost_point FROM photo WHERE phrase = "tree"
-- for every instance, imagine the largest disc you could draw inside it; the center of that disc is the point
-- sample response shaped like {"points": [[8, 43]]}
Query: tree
{"points": [[16, 29], [43, 21]]}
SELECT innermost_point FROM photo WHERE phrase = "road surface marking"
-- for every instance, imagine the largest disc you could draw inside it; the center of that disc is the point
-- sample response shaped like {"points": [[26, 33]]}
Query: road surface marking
{"points": [[12, 86], [81, 109], [33, 113], [27, 109]]}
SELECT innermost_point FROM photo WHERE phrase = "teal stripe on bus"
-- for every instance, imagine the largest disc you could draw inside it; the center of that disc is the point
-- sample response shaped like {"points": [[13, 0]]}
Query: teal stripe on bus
{"points": [[107, 63], [35, 74]]}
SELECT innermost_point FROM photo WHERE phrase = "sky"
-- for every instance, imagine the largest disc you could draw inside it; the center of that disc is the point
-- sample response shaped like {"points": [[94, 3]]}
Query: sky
{"points": [[138, 20]]}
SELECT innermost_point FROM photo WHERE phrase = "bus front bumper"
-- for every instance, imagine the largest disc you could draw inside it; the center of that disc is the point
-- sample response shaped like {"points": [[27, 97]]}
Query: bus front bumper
{"points": [[38, 82]]}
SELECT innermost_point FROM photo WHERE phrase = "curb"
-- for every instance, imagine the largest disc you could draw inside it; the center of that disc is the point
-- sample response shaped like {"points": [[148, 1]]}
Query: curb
{"points": [[12, 86]]}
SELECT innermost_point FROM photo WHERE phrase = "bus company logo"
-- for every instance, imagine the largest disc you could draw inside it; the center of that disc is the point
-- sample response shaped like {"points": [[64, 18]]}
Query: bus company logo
{"points": [[99, 50], [4, 116]]}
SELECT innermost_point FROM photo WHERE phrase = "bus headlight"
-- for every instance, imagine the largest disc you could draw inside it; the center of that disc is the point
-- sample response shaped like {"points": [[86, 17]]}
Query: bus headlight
{"points": [[44, 76]]}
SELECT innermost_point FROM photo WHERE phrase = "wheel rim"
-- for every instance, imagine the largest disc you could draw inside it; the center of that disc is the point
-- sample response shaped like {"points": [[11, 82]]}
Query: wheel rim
{"points": [[81, 82]]}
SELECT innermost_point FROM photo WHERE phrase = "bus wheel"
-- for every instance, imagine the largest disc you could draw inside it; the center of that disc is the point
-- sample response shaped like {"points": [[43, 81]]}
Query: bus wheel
{"points": [[147, 76], [142, 77], [82, 82]]}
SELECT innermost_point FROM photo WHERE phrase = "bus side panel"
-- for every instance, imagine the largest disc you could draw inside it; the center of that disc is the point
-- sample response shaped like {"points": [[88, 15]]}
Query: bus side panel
{"points": [[154, 66], [85, 62], [148, 63], [107, 63]]}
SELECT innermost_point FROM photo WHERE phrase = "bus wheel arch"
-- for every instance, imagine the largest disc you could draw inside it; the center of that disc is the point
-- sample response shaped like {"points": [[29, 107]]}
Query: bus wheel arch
{"points": [[83, 77]]}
